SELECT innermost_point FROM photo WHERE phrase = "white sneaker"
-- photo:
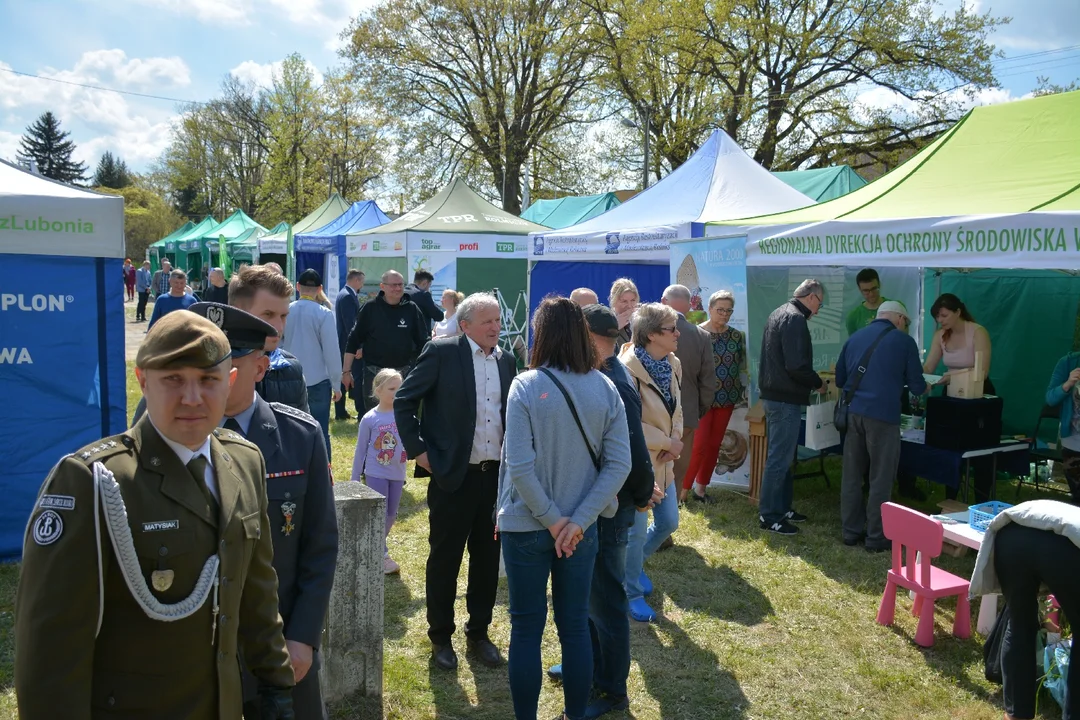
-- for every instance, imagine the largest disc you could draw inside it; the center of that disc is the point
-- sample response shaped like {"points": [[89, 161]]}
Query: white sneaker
{"points": [[389, 567]]}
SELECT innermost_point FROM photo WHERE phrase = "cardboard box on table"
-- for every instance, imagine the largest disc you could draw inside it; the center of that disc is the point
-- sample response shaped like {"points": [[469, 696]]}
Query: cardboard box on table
{"points": [[968, 384]]}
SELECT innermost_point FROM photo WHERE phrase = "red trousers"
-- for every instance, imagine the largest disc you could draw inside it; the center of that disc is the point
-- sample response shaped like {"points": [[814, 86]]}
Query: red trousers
{"points": [[707, 440]]}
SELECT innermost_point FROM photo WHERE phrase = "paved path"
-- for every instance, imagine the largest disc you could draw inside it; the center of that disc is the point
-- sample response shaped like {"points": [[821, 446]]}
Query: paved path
{"points": [[133, 332]]}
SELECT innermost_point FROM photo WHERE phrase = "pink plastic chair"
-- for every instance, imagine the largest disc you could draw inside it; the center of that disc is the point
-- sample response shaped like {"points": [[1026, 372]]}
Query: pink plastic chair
{"points": [[920, 534]]}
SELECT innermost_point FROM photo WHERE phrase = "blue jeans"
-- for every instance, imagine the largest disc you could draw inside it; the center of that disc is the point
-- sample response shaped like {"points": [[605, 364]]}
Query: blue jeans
{"points": [[783, 421], [319, 397], [530, 559], [645, 538], [608, 624]]}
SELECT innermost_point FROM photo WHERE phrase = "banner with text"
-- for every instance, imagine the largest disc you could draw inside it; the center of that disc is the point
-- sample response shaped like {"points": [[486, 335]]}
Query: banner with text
{"points": [[441, 264], [646, 244], [706, 266], [464, 244], [1037, 240]]}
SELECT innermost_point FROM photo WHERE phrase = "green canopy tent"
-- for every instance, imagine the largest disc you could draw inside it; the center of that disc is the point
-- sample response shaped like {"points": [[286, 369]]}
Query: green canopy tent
{"points": [[566, 211], [466, 242], [996, 197], [231, 227], [273, 247], [823, 184], [185, 251], [158, 250]]}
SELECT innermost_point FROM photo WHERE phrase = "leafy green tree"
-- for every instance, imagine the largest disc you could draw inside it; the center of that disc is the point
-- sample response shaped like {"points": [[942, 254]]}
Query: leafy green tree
{"points": [[351, 137], [147, 218], [111, 172], [296, 183], [48, 146], [480, 79]]}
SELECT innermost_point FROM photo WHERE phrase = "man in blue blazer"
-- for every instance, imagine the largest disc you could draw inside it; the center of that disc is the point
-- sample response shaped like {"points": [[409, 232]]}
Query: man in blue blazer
{"points": [[346, 308]]}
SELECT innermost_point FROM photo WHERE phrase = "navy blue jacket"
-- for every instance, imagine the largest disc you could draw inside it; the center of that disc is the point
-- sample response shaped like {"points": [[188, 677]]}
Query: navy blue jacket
{"points": [[346, 308], [637, 490], [894, 364]]}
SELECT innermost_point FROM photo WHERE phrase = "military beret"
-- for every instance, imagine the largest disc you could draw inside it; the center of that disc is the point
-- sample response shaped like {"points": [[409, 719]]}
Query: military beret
{"points": [[245, 332], [182, 339]]}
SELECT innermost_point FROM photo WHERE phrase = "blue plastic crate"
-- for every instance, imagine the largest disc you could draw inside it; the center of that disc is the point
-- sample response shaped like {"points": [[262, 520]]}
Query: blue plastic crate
{"points": [[979, 516]]}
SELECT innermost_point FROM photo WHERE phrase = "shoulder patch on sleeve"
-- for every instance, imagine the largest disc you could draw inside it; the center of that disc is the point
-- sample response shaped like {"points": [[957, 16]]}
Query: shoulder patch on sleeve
{"points": [[298, 414]]}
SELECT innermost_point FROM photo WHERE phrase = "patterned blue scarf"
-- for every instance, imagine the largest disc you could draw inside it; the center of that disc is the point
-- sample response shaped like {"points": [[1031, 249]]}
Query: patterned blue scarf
{"points": [[659, 371]]}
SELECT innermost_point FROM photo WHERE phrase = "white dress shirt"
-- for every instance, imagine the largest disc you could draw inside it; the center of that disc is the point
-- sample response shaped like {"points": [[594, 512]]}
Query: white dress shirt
{"points": [[488, 436], [186, 455]]}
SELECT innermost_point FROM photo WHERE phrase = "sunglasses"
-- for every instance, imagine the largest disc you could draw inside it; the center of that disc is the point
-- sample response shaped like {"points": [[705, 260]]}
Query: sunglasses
{"points": [[669, 329]]}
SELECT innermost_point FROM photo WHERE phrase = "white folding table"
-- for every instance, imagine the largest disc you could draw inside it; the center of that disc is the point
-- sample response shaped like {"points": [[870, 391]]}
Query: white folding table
{"points": [[962, 533]]}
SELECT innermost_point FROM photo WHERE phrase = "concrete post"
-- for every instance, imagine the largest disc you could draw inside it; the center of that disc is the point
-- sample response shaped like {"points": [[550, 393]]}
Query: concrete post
{"points": [[353, 646]]}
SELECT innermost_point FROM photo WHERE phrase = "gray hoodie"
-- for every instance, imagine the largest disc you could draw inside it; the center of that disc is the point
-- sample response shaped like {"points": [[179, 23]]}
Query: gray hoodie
{"points": [[546, 470]]}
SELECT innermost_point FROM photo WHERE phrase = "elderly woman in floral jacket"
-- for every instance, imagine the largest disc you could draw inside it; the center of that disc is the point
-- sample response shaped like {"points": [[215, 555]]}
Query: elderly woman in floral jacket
{"points": [[651, 360]]}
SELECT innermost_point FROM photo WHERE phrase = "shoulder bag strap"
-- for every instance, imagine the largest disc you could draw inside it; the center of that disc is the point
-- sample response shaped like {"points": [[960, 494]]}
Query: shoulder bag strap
{"points": [[573, 411], [849, 395]]}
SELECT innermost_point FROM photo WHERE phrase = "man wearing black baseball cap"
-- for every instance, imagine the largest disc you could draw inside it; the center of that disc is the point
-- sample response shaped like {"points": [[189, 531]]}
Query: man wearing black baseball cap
{"points": [[607, 601], [312, 338]]}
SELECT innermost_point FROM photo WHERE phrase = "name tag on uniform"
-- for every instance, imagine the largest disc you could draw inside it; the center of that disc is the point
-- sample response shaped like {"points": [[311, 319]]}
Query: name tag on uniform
{"points": [[57, 502], [161, 525]]}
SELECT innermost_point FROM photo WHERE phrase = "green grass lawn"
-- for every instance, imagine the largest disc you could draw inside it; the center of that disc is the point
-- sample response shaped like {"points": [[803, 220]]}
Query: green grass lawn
{"points": [[752, 626]]}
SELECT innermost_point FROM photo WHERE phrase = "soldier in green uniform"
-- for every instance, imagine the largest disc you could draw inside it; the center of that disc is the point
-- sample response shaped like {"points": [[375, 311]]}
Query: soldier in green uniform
{"points": [[147, 558]]}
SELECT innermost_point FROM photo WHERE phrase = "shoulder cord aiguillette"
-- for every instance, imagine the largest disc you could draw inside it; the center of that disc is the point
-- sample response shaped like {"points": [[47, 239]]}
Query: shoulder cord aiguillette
{"points": [[112, 502]]}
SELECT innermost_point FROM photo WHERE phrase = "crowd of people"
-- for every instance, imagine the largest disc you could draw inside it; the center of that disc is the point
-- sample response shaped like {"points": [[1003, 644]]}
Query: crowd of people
{"points": [[573, 469]]}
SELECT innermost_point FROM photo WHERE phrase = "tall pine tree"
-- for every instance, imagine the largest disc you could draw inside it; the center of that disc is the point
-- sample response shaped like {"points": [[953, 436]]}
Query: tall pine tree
{"points": [[48, 146], [112, 172]]}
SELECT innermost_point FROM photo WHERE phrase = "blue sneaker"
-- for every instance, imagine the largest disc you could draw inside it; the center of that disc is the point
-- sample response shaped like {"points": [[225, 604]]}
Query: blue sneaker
{"points": [[605, 703], [645, 583], [641, 612], [555, 672]]}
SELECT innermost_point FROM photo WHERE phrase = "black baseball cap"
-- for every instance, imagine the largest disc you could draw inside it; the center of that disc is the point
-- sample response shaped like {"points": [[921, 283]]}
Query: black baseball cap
{"points": [[246, 333], [309, 278], [601, 320]]}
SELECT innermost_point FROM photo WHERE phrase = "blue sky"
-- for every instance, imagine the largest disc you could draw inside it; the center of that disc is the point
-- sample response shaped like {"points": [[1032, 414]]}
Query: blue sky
{"points": [[183, 48]]}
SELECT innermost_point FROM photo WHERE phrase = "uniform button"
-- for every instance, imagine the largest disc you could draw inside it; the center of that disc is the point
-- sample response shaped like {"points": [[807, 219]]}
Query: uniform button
{"points": [[288, 495], [111, 701], [221, 656], [258, 533], [224, 619], [163, 551], [222, 544], [224, 582]]}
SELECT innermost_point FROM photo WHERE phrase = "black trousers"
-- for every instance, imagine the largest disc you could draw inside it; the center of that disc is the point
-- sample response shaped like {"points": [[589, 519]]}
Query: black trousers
{"points": [[1025, 559], [456, 520], [140, 309]]}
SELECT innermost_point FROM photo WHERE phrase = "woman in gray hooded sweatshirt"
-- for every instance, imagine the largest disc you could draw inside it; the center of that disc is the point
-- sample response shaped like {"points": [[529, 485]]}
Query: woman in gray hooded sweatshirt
{"points": [[558, 474]]}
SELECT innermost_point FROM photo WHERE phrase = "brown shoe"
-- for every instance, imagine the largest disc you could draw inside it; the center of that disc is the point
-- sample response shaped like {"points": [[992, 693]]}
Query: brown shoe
{"points": [[668, 543]]}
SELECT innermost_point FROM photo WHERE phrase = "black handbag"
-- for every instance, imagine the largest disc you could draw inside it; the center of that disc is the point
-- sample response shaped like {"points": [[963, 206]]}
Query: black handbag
{"points": [[843, 405]]}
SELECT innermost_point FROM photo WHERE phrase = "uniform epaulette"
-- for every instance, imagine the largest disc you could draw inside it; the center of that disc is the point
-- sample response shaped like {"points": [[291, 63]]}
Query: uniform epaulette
{"points": [[298, 414], [229, 436], [104, 448]]}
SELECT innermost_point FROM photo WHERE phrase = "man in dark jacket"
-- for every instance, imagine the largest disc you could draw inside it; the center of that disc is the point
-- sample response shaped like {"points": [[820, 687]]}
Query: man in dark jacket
{"points": [[346, 308], [872, 440], [419, 291], [609, 623], [390, 331], [266, 294], [786, 378]]}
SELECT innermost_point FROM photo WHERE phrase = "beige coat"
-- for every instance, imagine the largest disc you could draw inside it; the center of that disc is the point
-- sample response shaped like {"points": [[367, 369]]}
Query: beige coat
{"points": [[658, 426]]}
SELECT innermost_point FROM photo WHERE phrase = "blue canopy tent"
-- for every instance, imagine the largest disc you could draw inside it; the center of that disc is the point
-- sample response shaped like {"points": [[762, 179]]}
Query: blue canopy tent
{"points": [[324, 249], [62, 370]]}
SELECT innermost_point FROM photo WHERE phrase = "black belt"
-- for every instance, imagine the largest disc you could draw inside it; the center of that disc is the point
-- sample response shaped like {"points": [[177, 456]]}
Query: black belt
{"points": [[485, 466]]}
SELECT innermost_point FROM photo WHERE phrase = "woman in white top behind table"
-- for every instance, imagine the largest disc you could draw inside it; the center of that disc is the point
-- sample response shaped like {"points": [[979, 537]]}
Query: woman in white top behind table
{"points": [[448, 326], [955, 343]]}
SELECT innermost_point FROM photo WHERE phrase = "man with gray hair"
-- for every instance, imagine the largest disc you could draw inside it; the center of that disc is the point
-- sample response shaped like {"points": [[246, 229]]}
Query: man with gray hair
{"points": [[698, 377], [462, 383], [786, 378], [217, 290], [390, 332], [887, 361]]}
